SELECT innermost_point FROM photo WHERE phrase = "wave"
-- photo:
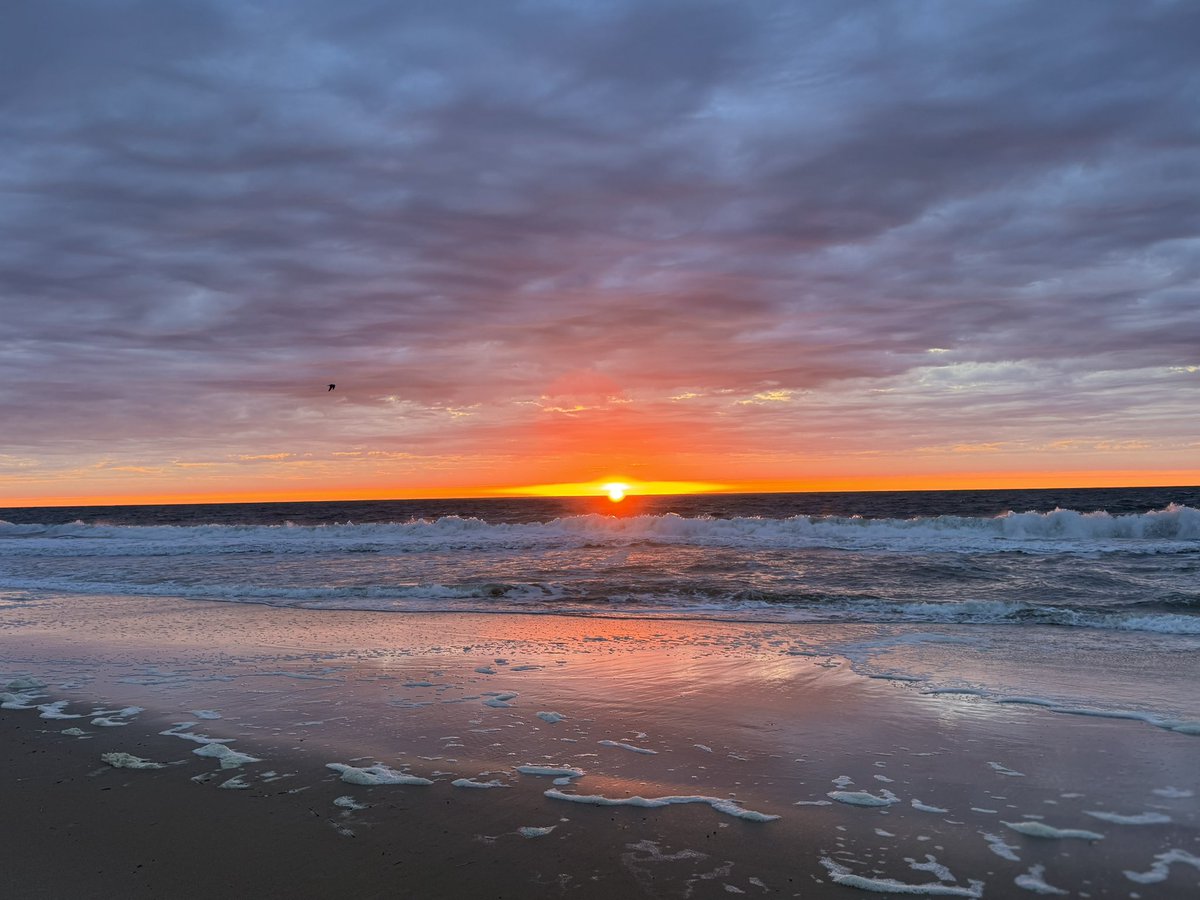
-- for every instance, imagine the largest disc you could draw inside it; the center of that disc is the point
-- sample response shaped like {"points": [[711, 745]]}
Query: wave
{"points": [[1172, 528], [552, 598]]}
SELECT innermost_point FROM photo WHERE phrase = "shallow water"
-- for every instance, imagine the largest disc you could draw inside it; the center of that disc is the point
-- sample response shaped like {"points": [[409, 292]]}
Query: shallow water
{"points": [[776, 719]]}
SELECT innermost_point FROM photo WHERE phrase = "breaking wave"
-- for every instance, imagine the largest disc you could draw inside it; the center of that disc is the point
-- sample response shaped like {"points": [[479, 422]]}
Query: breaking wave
{"points": [[1173, 528]]}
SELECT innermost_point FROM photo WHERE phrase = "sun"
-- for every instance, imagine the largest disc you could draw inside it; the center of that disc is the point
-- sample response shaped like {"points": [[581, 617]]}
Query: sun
{"points": [[616, 490]]}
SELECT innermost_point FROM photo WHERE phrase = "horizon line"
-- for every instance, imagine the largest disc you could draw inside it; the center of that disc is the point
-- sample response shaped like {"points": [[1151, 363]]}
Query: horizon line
{"points": [[518, 495]]}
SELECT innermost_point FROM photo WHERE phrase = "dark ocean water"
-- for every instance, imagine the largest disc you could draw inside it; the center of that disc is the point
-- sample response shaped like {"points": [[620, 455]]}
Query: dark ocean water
{"points": [[870, 505], [1120, 559]]}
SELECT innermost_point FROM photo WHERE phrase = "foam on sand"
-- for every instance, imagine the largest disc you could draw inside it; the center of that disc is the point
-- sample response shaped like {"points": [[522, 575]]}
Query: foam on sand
{"points": [[471, 783], [925, 807], [1042, 830], [23, 700], [551, 717], [119, 717], [1146, 818], [206, 714], [1034, 880], [174, 731], [229, 758], [556, 771], [727, 806], [55, 710], [121, 760], [1005, 770], [864, 798], [627, 747], [1173, 793], [529, 831], [1162, 866], [348, 802], [932, 866], [998, 846], [376, 774], [843, 876]]}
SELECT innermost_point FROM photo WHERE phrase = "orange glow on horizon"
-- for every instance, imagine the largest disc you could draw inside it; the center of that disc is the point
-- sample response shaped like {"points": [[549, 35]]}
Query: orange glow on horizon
{"points": [[867, 483]]}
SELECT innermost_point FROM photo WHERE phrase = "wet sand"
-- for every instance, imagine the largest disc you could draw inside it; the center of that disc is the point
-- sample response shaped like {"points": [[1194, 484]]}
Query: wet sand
{"points": [[756, 718]]}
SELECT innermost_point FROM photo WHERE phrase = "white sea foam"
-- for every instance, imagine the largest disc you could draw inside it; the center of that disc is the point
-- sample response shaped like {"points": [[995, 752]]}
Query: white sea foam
{"points": [[117, 717], [1005, 770], [55, 710], [864, 798], [1146, 818], [1063, 527], [723, 805], [555, 771], [9, 700], [925, 807], [1162, 866], [932, 866], [174, 731], [348, 802], [376, 774], [551, 717], [74, 732], [121, 760], [842, 875], [1173, 793], [1042, 830], [998, 846], [471, 783], [206, 714], [530, 831], [629, 747], [227, 756], [1034, 880]]}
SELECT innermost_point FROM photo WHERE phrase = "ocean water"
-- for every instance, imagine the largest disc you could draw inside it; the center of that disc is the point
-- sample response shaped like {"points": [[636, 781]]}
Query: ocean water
{"points": [[1121, 560], [867, 680]]}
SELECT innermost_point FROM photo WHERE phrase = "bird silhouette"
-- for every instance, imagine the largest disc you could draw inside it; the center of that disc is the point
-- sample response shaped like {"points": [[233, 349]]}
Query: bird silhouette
{"points": [[331, 387]]}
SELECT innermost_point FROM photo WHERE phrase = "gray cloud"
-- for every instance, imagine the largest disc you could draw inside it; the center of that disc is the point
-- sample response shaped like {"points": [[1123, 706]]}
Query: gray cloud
{"points": [[211, 208]]}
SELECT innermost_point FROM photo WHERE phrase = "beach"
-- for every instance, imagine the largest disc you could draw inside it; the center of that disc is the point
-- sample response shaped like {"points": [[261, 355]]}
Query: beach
{"points": [[768, 762]]}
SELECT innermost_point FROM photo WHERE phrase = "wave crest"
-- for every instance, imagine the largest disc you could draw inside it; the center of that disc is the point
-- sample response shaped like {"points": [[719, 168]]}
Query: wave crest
{"points": [[1174, 527]]}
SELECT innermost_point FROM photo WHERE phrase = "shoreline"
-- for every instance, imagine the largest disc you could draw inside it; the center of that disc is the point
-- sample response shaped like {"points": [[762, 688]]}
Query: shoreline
{"points": [[649, 709]]}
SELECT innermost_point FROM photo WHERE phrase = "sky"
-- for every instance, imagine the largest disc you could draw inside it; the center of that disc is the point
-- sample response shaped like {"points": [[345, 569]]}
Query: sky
{"points": [[543, 245]]}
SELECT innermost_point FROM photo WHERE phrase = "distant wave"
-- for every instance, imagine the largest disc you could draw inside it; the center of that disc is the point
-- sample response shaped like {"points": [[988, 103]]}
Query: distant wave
{"points": [[1175, 527]]}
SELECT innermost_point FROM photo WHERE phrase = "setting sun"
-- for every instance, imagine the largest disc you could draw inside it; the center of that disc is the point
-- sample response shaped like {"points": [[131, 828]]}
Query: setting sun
{"points": [[616, 490]]}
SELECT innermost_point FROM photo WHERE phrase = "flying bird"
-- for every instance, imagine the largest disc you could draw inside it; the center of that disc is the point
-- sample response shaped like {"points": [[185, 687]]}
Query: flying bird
{"points": [[331, 387]]}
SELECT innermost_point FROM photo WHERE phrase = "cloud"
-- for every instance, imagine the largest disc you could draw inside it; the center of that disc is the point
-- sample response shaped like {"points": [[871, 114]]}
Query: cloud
{"points": [[216, 209]]}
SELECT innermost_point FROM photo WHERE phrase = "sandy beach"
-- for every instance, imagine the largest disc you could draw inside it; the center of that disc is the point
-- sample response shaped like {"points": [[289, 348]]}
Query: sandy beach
{"points": [[786, 771]]}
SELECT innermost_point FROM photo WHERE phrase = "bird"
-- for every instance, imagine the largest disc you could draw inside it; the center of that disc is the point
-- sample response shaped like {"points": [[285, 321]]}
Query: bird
{"points": [[331, 387]]}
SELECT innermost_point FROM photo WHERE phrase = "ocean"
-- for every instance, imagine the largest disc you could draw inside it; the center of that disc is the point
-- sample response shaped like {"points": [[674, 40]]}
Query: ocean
{"points": [[1125, 560], [676, 696]]}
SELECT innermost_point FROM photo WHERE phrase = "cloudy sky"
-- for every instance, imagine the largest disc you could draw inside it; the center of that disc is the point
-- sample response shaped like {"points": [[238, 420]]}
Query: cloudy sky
{"points": [[750, 244]]}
